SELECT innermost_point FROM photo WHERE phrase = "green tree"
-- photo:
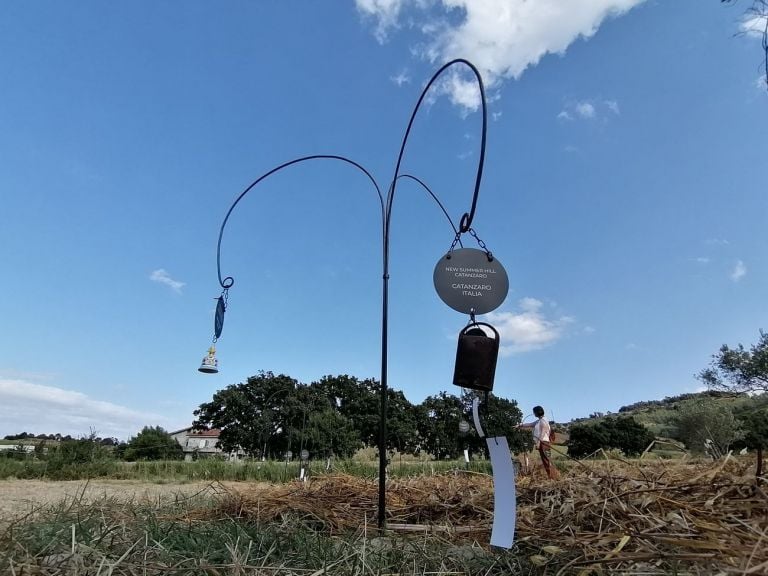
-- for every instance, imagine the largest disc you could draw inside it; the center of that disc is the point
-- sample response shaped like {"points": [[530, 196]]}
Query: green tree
{"points": [[738, 369], [402, 418], [754, 423], [360, 402], [586, 439], [255, 415], [152, 443], [357, 400], [628, 435], [438, 425], [624, 433], [438, 418], [499, 417], [304, 426], [705, 425], [330, 433]]}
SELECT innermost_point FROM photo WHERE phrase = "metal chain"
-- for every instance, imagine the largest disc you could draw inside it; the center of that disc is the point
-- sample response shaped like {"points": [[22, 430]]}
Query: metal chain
{"points": [[481, 244], [455, 241]]}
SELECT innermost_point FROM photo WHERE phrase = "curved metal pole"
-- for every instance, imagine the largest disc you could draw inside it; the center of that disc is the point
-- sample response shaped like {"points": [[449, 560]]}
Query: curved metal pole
{"points": [[466, 219], [464, 225], [229, 281], [436, 199]]}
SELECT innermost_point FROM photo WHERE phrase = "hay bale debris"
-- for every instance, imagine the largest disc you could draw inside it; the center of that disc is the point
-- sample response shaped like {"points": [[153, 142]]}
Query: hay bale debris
{"points": [[604, 515]]}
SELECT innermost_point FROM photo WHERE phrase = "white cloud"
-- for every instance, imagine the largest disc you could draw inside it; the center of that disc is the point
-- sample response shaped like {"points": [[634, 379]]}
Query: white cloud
{"points": [[613, 106], [585, 110], [589, 110], [754, 25], [162, 277], [716, 242], [401, 78], [739, 271], [589, 330], [464, 92], [40, 409], [702, 260], [501, 37], [385, 12], [528, 329]]}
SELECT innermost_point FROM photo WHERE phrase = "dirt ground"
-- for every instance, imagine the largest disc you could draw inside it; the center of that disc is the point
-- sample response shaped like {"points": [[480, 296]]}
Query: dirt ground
{"points": [[20, 497]]}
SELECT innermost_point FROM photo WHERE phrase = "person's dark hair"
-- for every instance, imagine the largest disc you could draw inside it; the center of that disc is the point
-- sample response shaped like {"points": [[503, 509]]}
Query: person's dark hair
{"points": [[538, 411]]}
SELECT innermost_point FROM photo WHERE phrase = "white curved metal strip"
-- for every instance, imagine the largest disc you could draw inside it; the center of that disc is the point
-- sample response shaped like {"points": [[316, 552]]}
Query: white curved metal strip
{"points": [[504, 493], [476, 417]]}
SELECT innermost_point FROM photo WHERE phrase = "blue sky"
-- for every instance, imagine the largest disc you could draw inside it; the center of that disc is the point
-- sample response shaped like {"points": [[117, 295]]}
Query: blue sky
{"points": [[623, 191]]}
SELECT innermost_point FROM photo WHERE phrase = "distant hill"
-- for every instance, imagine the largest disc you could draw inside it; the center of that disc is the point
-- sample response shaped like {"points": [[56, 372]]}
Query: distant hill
{"points": [[658, 414]]}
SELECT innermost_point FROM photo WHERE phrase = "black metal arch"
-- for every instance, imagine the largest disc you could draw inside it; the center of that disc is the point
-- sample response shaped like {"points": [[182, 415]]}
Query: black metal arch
{"points": [[229, 281], [386, 211], [466, 219]]}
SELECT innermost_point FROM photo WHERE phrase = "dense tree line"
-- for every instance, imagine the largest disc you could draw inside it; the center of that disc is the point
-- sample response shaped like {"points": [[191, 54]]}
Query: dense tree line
{"points": [[269, 415], [60, 438]]}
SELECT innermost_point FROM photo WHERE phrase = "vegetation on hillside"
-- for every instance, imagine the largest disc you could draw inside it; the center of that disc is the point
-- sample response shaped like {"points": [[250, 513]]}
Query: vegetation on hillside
{"points": [[623, 433]]}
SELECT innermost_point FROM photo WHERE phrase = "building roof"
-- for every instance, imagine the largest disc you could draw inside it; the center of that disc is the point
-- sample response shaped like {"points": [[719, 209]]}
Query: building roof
{"points": [[212, 433]]}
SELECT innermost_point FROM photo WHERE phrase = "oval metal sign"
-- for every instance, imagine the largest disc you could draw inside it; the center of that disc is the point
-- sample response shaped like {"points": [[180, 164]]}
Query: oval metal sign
{"points": [[467, 281], [218, 323]]}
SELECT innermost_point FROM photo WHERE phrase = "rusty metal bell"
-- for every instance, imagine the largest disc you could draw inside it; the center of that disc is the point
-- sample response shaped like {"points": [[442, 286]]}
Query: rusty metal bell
{"points": [[476, 357]]}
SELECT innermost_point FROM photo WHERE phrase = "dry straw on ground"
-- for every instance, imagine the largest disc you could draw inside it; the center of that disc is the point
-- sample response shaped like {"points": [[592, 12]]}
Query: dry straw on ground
{"points": [[708, 518]]}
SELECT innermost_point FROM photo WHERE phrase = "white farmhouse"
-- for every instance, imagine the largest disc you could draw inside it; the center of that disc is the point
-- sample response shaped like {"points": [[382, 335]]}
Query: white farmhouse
{"points": [[203, 443]]}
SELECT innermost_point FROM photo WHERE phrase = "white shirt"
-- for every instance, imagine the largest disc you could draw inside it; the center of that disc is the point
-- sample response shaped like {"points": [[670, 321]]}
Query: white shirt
{"points": [[541, 431]]}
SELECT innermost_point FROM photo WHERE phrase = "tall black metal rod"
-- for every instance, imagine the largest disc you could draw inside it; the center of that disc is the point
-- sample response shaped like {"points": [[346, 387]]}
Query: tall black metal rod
{"points": [[229, 281], [382, 522], [465, 224]]}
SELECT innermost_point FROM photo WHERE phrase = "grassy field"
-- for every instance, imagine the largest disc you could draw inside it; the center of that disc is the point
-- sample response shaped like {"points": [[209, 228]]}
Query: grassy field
{"points": [[604, 516], [106, 537], [209, 470]]}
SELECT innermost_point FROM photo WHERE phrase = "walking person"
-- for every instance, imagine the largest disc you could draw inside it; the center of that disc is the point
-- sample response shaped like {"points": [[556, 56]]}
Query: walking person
{"points": [[541, 440]]}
